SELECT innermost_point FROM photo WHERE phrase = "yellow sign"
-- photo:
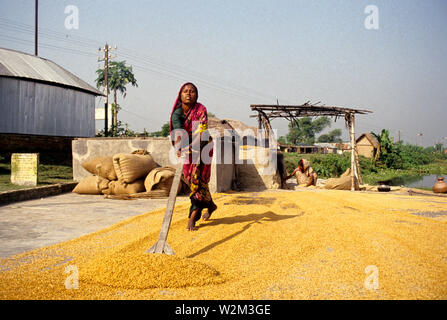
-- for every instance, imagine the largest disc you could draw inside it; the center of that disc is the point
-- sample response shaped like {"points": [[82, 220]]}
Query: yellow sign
{"points": [[24, 168]]}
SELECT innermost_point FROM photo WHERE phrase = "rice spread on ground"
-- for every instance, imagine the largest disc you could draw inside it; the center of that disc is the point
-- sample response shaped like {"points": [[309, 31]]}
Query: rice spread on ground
{"points": [[305, 244]]}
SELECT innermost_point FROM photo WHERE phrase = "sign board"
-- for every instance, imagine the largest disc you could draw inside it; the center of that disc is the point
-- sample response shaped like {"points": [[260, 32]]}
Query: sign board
{"points": [[100, 114], [24, 168]]}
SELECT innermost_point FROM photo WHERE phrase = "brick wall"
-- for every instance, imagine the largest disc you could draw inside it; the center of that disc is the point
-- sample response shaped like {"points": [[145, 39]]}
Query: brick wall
{"points": [[56, 150]]}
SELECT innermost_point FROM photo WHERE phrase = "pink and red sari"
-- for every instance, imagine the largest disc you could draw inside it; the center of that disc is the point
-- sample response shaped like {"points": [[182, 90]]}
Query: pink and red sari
{"points": [[196, 172]]}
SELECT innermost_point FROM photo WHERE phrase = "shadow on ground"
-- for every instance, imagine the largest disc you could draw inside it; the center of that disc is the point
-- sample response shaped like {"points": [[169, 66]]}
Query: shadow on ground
{"points": [[253, 218]]}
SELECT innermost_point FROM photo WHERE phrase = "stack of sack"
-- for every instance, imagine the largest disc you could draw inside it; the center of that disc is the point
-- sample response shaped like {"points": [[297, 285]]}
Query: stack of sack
{"points": [[125, 174]]}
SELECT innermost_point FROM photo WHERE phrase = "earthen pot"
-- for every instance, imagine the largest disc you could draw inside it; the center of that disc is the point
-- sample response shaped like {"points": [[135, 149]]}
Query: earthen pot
{"points": [[440, 186]]}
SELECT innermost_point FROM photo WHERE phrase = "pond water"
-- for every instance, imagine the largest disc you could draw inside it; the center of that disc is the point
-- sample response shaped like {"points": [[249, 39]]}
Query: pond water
{"points": [[416, 181]]}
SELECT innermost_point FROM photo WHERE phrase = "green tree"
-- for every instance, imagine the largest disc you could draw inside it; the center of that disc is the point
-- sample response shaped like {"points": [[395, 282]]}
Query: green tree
{"points": [[282, 140], [119, 76], [389, 155], [332, 136], [164, 132], [305, 129]]}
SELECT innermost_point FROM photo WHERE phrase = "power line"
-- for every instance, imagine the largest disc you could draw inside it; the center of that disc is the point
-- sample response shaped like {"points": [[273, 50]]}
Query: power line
{"points": [[49, 46], [173, 70], [143, 61]]}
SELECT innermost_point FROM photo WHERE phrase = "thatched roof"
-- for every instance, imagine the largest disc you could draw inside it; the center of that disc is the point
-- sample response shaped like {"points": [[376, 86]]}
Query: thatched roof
{"points": [[220, 125], [370, 138]]}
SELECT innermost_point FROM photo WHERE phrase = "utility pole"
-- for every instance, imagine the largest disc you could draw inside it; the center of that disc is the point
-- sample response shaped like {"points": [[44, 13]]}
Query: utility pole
{"points": [[106, 58], [398, 134], [420, 138], [36, 16]]}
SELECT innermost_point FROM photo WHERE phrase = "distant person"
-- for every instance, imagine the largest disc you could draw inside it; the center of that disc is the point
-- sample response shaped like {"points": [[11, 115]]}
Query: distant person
{"points": [[185, 112], [304, 174], [281, 169]]}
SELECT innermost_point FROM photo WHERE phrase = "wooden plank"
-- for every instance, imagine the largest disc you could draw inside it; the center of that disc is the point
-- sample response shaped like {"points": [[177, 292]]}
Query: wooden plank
{"points": [[162, 246]]}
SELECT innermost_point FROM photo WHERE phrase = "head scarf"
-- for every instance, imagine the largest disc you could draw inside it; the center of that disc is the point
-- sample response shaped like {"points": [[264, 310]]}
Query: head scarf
{"points": [[178, 101], [196, 121], [305, 164]]}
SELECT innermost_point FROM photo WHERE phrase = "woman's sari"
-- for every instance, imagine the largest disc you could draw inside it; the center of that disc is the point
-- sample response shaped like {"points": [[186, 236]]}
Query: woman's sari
{"points": [[196, 171], [303, 177]]}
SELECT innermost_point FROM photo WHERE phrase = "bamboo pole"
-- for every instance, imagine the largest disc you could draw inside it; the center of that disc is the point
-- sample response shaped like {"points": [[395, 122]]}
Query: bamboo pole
{"points": [[352, 135], [357, 163]]}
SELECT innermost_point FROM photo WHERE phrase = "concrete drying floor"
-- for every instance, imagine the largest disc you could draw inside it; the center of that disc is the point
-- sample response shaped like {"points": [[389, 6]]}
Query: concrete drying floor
{"points": [[34, 224], [275, 244]]}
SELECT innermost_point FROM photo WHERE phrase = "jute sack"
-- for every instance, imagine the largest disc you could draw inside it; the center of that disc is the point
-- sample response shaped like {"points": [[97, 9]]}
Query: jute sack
{"points": [[91, 185], [101, 166], [119, 187], [346, 173], [161, 179], [130, 167], [342, 183]]}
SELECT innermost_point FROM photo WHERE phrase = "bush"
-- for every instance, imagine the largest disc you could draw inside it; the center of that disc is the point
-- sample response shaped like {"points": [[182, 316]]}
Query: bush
{"points": [[330, 165], [412, 156], [325, 165]]}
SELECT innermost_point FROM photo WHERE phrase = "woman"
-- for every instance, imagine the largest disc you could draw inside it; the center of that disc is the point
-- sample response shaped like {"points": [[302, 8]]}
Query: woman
{"points": [[304, 174], [191, 116]]}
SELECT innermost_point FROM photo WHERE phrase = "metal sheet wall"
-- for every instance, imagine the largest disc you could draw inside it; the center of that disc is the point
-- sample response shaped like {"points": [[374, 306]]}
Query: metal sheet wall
{"points": [[30, 107]]}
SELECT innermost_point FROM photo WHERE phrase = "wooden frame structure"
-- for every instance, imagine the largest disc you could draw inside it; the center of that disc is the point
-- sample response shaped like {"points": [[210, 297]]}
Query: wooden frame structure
{"points": [[265, 113]]}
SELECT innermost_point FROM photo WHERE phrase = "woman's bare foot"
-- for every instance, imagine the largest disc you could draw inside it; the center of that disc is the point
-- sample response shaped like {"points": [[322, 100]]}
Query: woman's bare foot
{"points": [[207, 214], [192, 226], [192, 222]]}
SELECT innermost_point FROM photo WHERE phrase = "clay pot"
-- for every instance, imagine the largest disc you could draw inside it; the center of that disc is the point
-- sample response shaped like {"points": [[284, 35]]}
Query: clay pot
{"points": [[440, 186]]}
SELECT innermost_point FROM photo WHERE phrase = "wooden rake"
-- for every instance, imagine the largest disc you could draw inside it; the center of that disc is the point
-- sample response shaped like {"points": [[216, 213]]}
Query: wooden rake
{"points": [[162, 246]]}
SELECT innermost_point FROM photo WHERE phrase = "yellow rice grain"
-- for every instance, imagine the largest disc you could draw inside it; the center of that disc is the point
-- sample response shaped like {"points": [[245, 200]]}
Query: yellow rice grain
{"points": [[305, 244]]}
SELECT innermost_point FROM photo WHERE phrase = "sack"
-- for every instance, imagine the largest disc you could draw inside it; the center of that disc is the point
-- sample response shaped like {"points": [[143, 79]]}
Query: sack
{"points": [[91, 185], [161, 179], [119, 187], [342, 183], [130, 167], [347, 173], [101, 166]]}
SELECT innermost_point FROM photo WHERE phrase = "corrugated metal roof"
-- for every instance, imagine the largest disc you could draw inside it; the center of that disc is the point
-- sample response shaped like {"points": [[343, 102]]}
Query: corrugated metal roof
{"points": [[325, 145], [22, 65]]}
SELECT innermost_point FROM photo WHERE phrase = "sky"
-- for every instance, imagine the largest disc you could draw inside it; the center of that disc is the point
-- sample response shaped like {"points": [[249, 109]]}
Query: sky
{"points": [[243, 52]]}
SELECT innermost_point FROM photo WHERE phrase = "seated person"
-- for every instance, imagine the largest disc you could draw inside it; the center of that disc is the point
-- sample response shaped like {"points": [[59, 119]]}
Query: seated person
{"points": [[304, 173], [281, 169]]}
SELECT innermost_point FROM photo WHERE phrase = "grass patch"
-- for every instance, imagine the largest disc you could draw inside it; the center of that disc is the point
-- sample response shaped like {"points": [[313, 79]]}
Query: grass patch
{"points": [[47, 175]]}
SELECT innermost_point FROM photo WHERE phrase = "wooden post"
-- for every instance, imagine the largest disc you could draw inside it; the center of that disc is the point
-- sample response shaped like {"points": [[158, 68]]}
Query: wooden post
{"points": [[353, 165], [36, 27], [106, 87], [357, 163]]}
